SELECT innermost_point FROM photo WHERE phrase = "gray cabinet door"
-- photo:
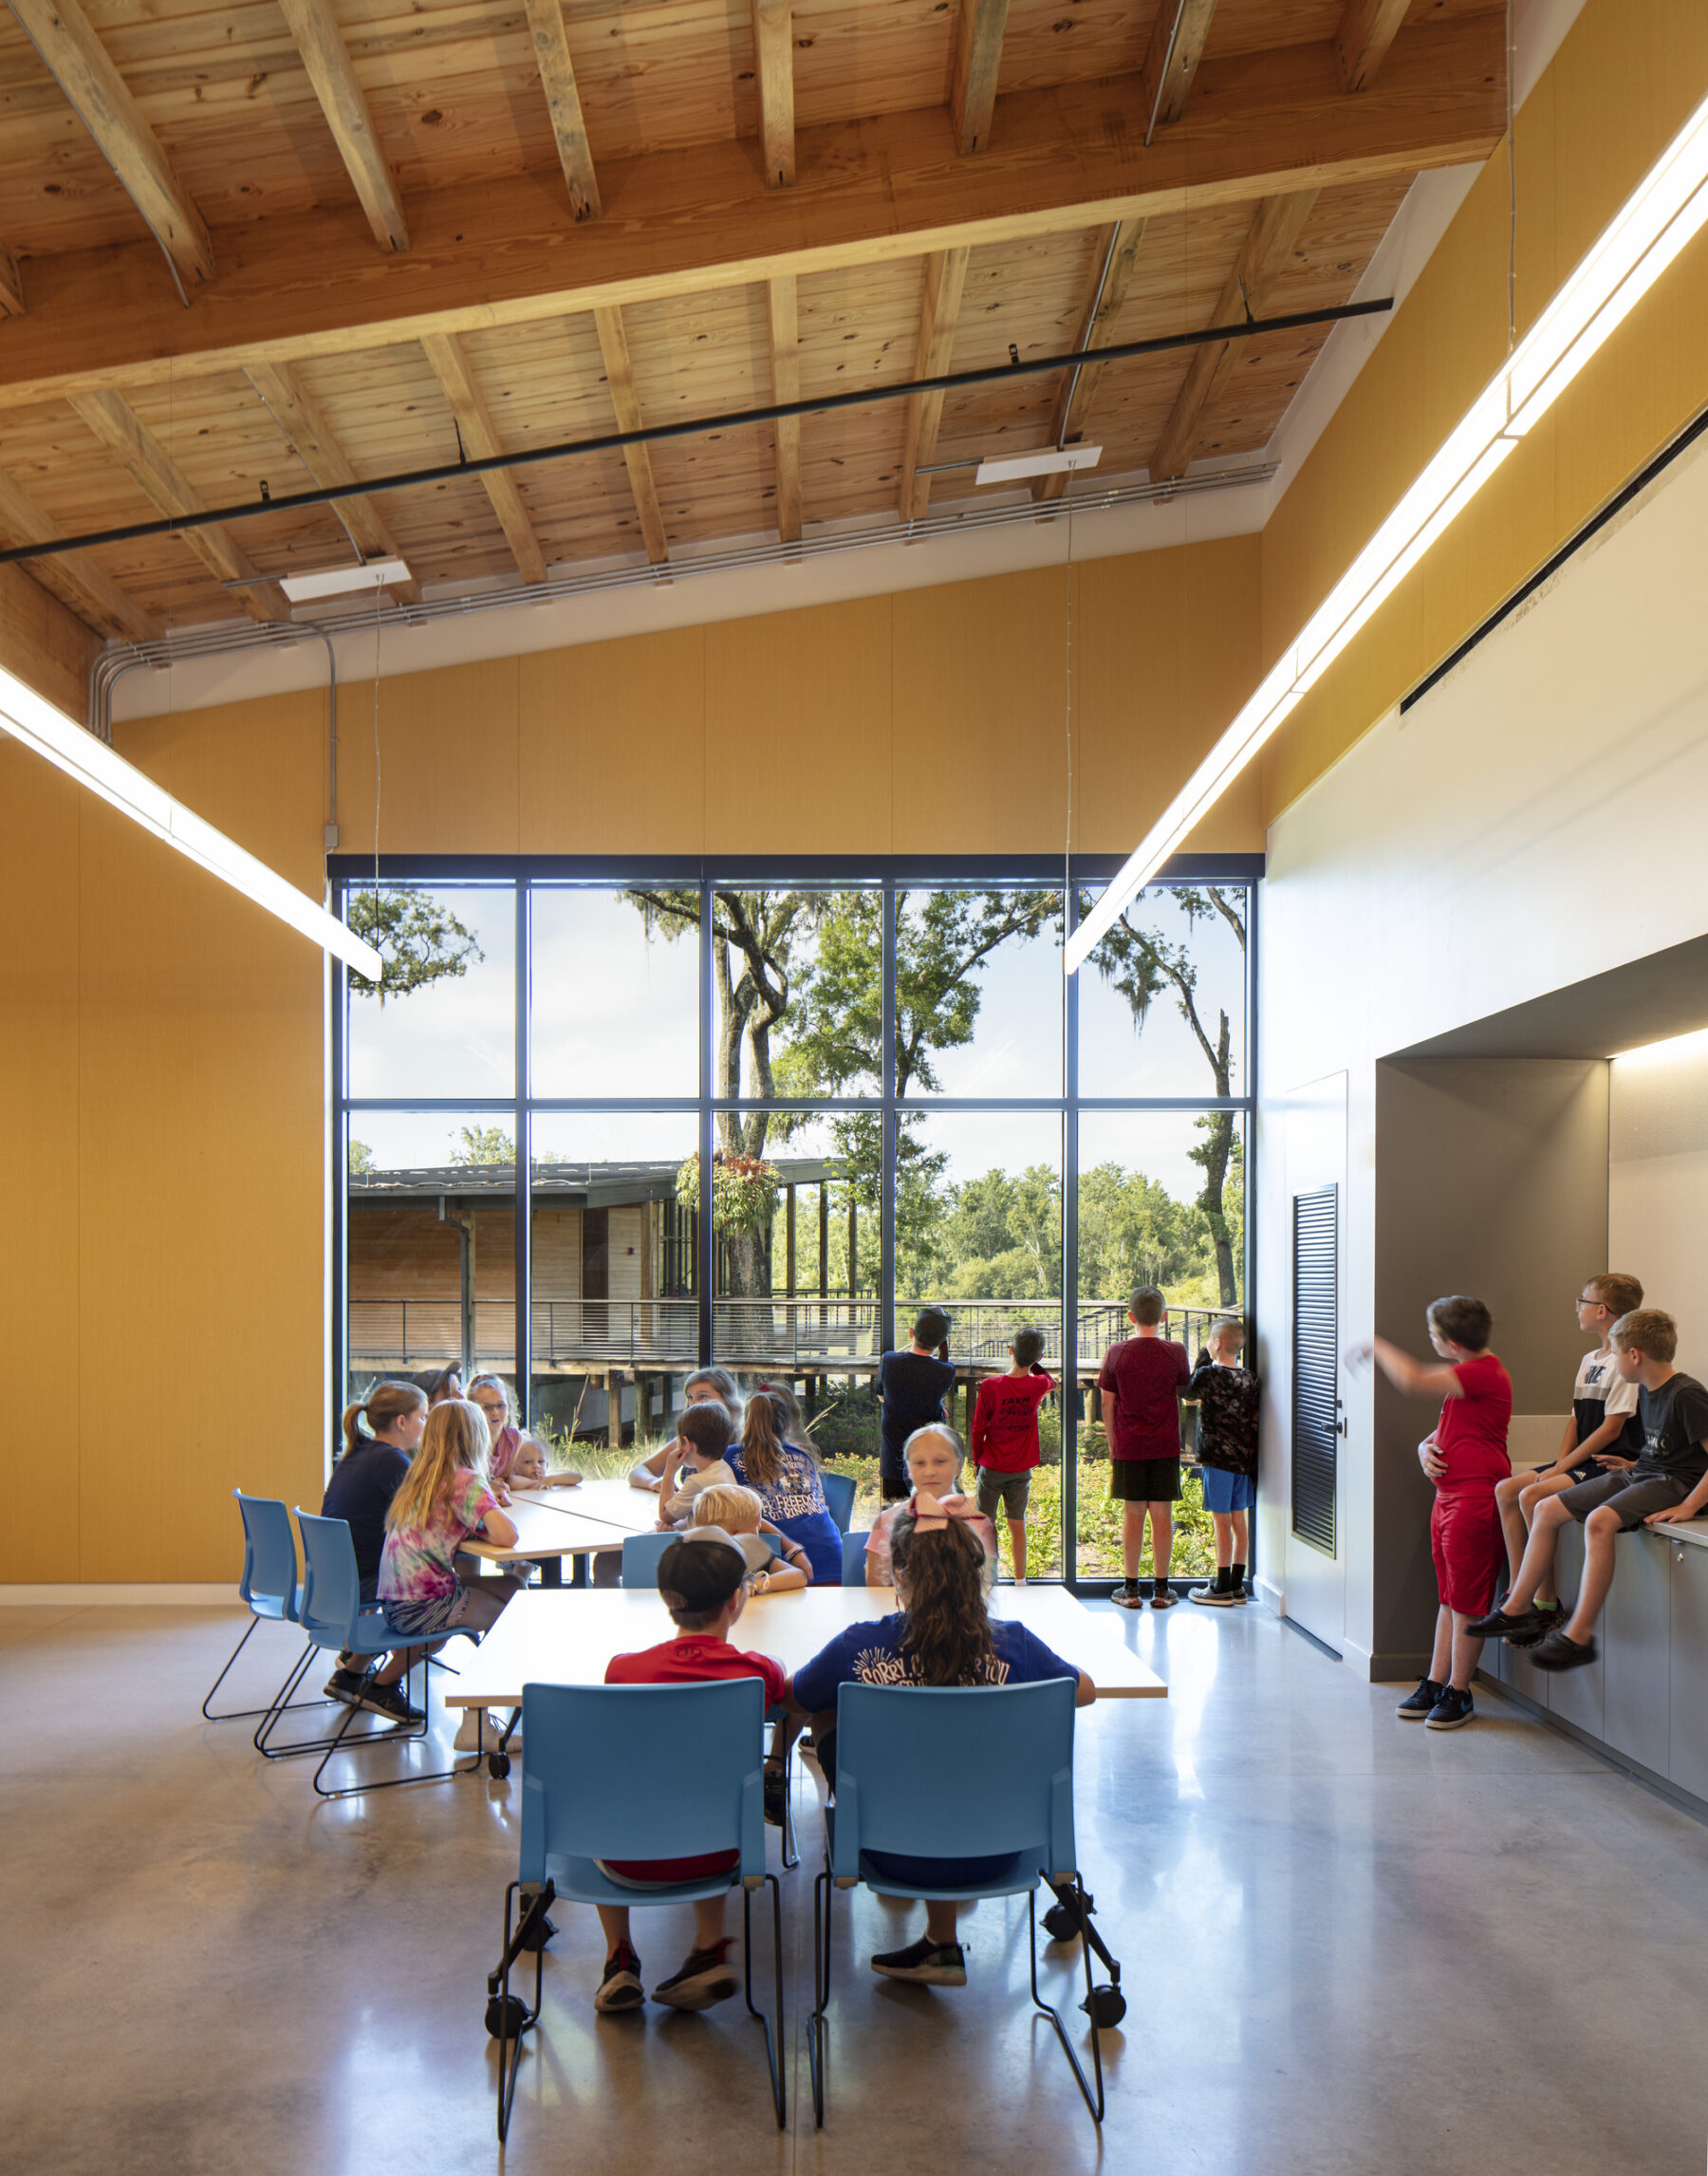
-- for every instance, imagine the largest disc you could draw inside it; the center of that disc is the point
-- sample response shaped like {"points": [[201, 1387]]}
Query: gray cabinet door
{"points": [[1575, 1696], [1635, 1638], [1688, 1763]]}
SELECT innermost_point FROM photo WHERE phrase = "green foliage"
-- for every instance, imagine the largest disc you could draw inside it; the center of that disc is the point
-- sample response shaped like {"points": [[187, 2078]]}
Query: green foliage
{"points": [[360, 1156], [484, 1144], [744, 1190], [419, 942]]}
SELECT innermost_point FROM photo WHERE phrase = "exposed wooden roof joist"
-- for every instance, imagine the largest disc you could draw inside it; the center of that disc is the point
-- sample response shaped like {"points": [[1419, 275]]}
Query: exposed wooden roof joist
{"points": [[74, 578], [473, 420], [620, 376], [312, 440], [980, 29], [685, 221], [12, 284], [314, 26], [786, 385], [563, 102], [940, 312], [1116, 253], [773, 48], [1367, 28]]}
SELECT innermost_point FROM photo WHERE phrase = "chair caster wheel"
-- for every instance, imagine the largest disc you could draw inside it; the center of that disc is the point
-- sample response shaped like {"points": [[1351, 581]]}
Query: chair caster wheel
{"points": [[1105, 2006], [540, 1936], [1061, 1922], [506, 2017], [497, 1766]]}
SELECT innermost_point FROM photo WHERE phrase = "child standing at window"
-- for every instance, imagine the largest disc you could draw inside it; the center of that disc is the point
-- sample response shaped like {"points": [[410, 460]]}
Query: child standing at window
{"points": [[912, 1387], [1228, 1398], [1005, 1438]]}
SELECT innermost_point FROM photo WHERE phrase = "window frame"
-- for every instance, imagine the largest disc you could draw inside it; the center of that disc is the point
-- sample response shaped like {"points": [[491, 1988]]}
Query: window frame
{"points": [[889, 874]]}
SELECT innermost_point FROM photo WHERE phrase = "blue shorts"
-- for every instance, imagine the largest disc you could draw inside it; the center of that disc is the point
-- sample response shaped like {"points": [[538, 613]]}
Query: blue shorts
{"points": [[1225, 1492]]}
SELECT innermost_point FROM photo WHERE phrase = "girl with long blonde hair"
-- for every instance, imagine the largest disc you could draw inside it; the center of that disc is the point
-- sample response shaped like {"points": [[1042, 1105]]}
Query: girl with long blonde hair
{"points": [[445, 1496]]}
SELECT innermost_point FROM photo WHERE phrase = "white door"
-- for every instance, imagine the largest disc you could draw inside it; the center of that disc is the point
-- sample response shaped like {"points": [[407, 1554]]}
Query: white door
{"points": [[1314, 1514]]}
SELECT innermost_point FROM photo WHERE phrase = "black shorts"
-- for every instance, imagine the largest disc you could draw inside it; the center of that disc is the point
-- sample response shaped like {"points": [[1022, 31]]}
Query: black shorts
{"points": [[1632, 1495], [1145, 1480]]}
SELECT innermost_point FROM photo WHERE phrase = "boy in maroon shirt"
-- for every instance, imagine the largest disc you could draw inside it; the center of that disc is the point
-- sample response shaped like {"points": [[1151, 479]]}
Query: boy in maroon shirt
{"points": [[703, 1581], [1465, 1455], [1005, 1438], [1141, 1380]]}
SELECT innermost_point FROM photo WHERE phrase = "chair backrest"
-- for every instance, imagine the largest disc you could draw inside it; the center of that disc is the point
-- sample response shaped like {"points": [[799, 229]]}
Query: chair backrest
{"points": [[269, 1584], [839, 1499], [643, 1771], [331, 1585], [641, 1554], [854, 1549], [955, 1772]]}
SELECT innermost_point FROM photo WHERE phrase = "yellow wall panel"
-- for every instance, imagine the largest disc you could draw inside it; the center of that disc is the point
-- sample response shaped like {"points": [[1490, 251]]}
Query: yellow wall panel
{"points": [[612, 746], [798, 747], [448, 780], [981, 685]]}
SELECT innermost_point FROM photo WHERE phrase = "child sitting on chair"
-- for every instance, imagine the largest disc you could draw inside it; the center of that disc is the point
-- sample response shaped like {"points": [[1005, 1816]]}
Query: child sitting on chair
{"points": [[941, 1635], [933, 1463], [703, 1581], [694, 1461]]}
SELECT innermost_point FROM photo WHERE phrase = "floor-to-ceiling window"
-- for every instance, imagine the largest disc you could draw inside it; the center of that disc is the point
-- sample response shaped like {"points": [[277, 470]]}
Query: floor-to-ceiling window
{"points": [[595, 1131]]}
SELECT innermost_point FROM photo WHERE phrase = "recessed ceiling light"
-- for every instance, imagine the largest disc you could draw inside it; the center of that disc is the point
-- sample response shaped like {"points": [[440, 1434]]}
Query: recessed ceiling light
{"points": [[339, 580], [1013, 466]]}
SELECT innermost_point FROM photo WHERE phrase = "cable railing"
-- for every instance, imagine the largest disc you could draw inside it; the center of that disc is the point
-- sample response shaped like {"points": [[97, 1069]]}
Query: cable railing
{"points": [[808, 1335]]}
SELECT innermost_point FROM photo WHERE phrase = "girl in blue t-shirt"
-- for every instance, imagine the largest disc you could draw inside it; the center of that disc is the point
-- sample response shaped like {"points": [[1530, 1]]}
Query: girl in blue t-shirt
{"points": [[941, 1634], [786, 1480]]}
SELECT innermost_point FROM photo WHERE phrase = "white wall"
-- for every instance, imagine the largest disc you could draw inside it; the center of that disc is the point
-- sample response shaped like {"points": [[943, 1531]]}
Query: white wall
{"points": [[1658, 1185], [1537, 819]]}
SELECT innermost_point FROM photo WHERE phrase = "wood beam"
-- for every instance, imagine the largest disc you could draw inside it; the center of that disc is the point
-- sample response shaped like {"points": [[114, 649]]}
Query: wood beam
{"points": [[314, 26], [310, 439], [703, 219], [979, 30], [1270, 242], [474, 420], [1111, 274], [1367, 28], [773, 49], [563, 103], [786, 385], [12, 284], [74, 578], [1171, 62], [51, 648], [619, 376], [84, 71], [141, 453], [940, 312]]}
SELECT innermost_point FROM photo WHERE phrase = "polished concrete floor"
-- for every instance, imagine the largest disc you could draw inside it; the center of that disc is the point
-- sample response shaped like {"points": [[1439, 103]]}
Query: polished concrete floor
{"points": [[1350, 1945]]}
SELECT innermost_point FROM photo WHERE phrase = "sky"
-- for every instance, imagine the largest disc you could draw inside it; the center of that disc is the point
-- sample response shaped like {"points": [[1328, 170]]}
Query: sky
{"points": [[617, 1013]]}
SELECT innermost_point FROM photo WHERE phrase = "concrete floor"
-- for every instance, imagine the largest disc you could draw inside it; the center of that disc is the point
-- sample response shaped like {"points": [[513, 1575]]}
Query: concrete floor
{"points": [[1350, 1945]]}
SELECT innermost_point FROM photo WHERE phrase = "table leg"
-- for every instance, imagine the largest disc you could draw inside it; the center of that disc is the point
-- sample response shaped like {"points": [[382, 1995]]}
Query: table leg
{"points": [[551, 1571], [578, 1569]]}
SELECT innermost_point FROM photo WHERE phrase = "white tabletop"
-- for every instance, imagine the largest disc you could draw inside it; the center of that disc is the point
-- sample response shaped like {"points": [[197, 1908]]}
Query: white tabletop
{"points": [[569, 1637], [547, 1529], [608, 1502]]}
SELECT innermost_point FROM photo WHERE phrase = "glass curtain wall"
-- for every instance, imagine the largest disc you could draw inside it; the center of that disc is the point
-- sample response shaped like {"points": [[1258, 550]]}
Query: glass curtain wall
{"points": [[762, 1124]]}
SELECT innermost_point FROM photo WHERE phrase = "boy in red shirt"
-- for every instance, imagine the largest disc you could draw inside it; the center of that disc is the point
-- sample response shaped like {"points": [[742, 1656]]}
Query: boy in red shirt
{"points": [[1465, 1456], [703, 1579], [1141, 1380], [1005, 1438]]}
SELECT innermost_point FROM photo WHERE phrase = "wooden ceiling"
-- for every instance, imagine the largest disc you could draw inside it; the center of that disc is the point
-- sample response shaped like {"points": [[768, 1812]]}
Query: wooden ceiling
{"points": [[290, 242]]}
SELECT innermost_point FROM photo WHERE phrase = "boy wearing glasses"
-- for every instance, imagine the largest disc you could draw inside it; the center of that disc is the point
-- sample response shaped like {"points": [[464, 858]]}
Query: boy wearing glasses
{"points": [[1602, 1437]]}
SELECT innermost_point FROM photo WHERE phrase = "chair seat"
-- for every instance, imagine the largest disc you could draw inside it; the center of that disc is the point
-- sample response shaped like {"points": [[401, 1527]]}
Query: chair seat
{"points": [[581, 1881], [372, 1635], [1012, 1880], [280, 1608]]}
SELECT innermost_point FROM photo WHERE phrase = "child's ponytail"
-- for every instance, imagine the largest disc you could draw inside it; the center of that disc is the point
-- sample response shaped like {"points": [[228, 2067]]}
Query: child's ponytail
{"points": [[763, 1435], [384, 1402]]}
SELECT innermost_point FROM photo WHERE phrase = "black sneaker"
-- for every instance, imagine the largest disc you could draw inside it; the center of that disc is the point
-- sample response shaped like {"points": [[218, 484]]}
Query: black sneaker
{"points": [[621, 1989], [776, 1797], [704, 1977], [1556, 1652], [344, 1686], [391, 1702], [1503, 1625], [1126, 1596], [930, 1963], [1417, 1706], [1451, 1711], [1212, 1597], [1542, 1623], [1161, 1598]]}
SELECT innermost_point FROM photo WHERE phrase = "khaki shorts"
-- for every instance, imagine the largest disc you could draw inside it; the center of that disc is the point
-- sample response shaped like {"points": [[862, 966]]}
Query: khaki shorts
{"points": [[1012, 1491]]}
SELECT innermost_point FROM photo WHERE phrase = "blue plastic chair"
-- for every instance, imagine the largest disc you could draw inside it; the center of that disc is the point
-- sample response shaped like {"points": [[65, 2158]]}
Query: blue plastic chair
{"points": [[269, 1588], [839, 1499], [952, 1772], [336, 1618], [854, 1555], [635, 1771], [641, 1554]]}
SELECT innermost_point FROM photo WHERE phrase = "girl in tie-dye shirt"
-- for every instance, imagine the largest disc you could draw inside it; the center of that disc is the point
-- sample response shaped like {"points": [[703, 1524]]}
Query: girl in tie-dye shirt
{"points": [[446, 1495]]}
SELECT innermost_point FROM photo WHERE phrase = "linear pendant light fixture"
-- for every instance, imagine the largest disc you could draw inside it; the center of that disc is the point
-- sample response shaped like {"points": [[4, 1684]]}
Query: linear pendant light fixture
{"points": [[42, 726], [1665, 211]]}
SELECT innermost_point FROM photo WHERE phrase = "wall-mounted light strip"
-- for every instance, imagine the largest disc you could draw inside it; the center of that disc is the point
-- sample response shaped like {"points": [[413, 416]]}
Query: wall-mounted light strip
{"points": [[1664, 211], [29, 717], [1670, 1050]]}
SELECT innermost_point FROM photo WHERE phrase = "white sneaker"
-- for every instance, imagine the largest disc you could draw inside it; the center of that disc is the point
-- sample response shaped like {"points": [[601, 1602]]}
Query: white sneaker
{"points": [[477, 1732]]}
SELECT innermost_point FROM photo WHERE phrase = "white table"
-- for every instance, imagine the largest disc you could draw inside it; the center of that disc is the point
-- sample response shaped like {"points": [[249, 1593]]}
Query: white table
{"points": [[568, 1638], [553, 1524]]}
